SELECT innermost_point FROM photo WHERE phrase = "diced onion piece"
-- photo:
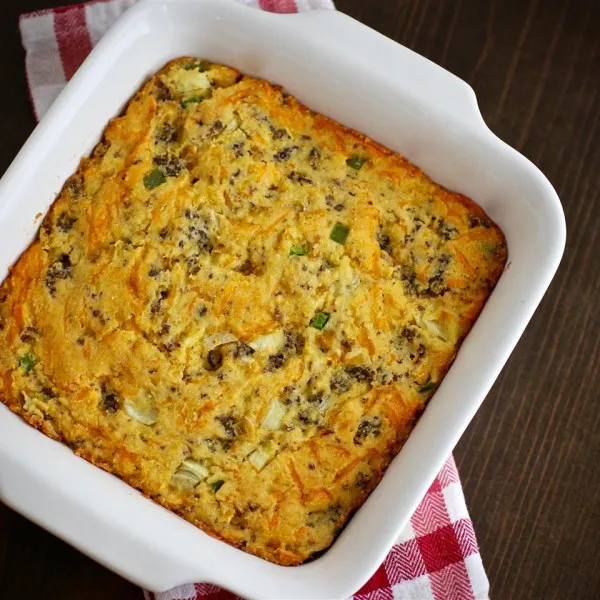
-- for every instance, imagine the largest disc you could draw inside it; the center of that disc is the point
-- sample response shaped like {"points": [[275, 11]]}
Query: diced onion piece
{"points": [[193, 466], [189, 474], [259, 458], [245, 448], [231, 126], [189, 341], [354, 357], [246, 358], [348, 280], [218, 339], [325, 405], [268, 343], [355, 353], [33, 405], [145, 416], [249, 428], [274, 416], [185, 480], [26, 400], [191, 81], [435, 328]]}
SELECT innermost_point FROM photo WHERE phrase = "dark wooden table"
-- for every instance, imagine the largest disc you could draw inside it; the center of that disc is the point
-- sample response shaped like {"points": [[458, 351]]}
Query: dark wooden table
{"points": [[529, 460]]}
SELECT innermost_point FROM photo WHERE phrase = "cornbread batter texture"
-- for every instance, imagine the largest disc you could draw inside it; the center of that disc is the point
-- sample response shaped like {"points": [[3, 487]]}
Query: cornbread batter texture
{"points": [[241, 307]]}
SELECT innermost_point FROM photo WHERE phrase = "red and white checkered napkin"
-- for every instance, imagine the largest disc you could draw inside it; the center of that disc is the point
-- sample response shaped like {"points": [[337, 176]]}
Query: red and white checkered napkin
{"points": [[436, 557]]}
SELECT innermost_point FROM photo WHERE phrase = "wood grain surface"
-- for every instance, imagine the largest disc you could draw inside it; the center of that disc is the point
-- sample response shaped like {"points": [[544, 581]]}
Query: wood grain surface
{"points": [[530, 459]]}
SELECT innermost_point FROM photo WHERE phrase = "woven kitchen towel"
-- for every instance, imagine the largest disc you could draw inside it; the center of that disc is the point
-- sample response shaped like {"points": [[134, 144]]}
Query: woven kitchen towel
{"points": [[57, 40], [436, 557]]}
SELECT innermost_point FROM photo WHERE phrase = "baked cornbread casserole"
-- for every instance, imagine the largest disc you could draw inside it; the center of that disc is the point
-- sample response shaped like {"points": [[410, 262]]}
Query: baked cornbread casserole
{"points": [[241, 307]]}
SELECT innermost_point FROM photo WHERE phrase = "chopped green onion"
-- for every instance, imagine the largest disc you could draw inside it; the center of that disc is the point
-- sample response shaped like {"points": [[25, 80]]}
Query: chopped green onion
{"points": [[191, 100], [298, 251], [201, 66], [356, 162], [154, 179], [427, 387], [215, 486], [27, 362], [339, 233], [320, 320]]}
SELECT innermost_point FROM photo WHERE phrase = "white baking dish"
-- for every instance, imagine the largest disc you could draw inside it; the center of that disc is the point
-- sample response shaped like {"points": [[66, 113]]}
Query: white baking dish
{"points": [[341, 68]]}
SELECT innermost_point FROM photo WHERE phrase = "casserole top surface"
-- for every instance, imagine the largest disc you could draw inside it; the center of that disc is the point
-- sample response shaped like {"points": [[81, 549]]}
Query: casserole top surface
{"points": [[240, 307]]}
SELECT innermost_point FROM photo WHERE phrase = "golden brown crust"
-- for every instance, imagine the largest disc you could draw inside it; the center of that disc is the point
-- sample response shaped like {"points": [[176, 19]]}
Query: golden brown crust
{"points": [[186, 321]]}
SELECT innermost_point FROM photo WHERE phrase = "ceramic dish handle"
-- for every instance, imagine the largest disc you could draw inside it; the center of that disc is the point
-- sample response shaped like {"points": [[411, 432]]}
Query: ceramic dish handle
{"points": [[428, 81]]}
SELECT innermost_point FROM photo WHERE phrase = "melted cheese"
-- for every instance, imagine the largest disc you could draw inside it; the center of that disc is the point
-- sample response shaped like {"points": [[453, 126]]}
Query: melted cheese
{"points": [[161, 325]]}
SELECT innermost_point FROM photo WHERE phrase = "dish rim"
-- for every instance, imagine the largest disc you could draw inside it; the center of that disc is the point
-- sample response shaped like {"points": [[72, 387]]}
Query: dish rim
{"points": [[460, 99]]}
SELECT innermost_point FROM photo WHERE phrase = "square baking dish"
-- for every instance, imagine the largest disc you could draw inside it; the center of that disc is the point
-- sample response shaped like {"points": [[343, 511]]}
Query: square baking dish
{"points": [[349, 72]]}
